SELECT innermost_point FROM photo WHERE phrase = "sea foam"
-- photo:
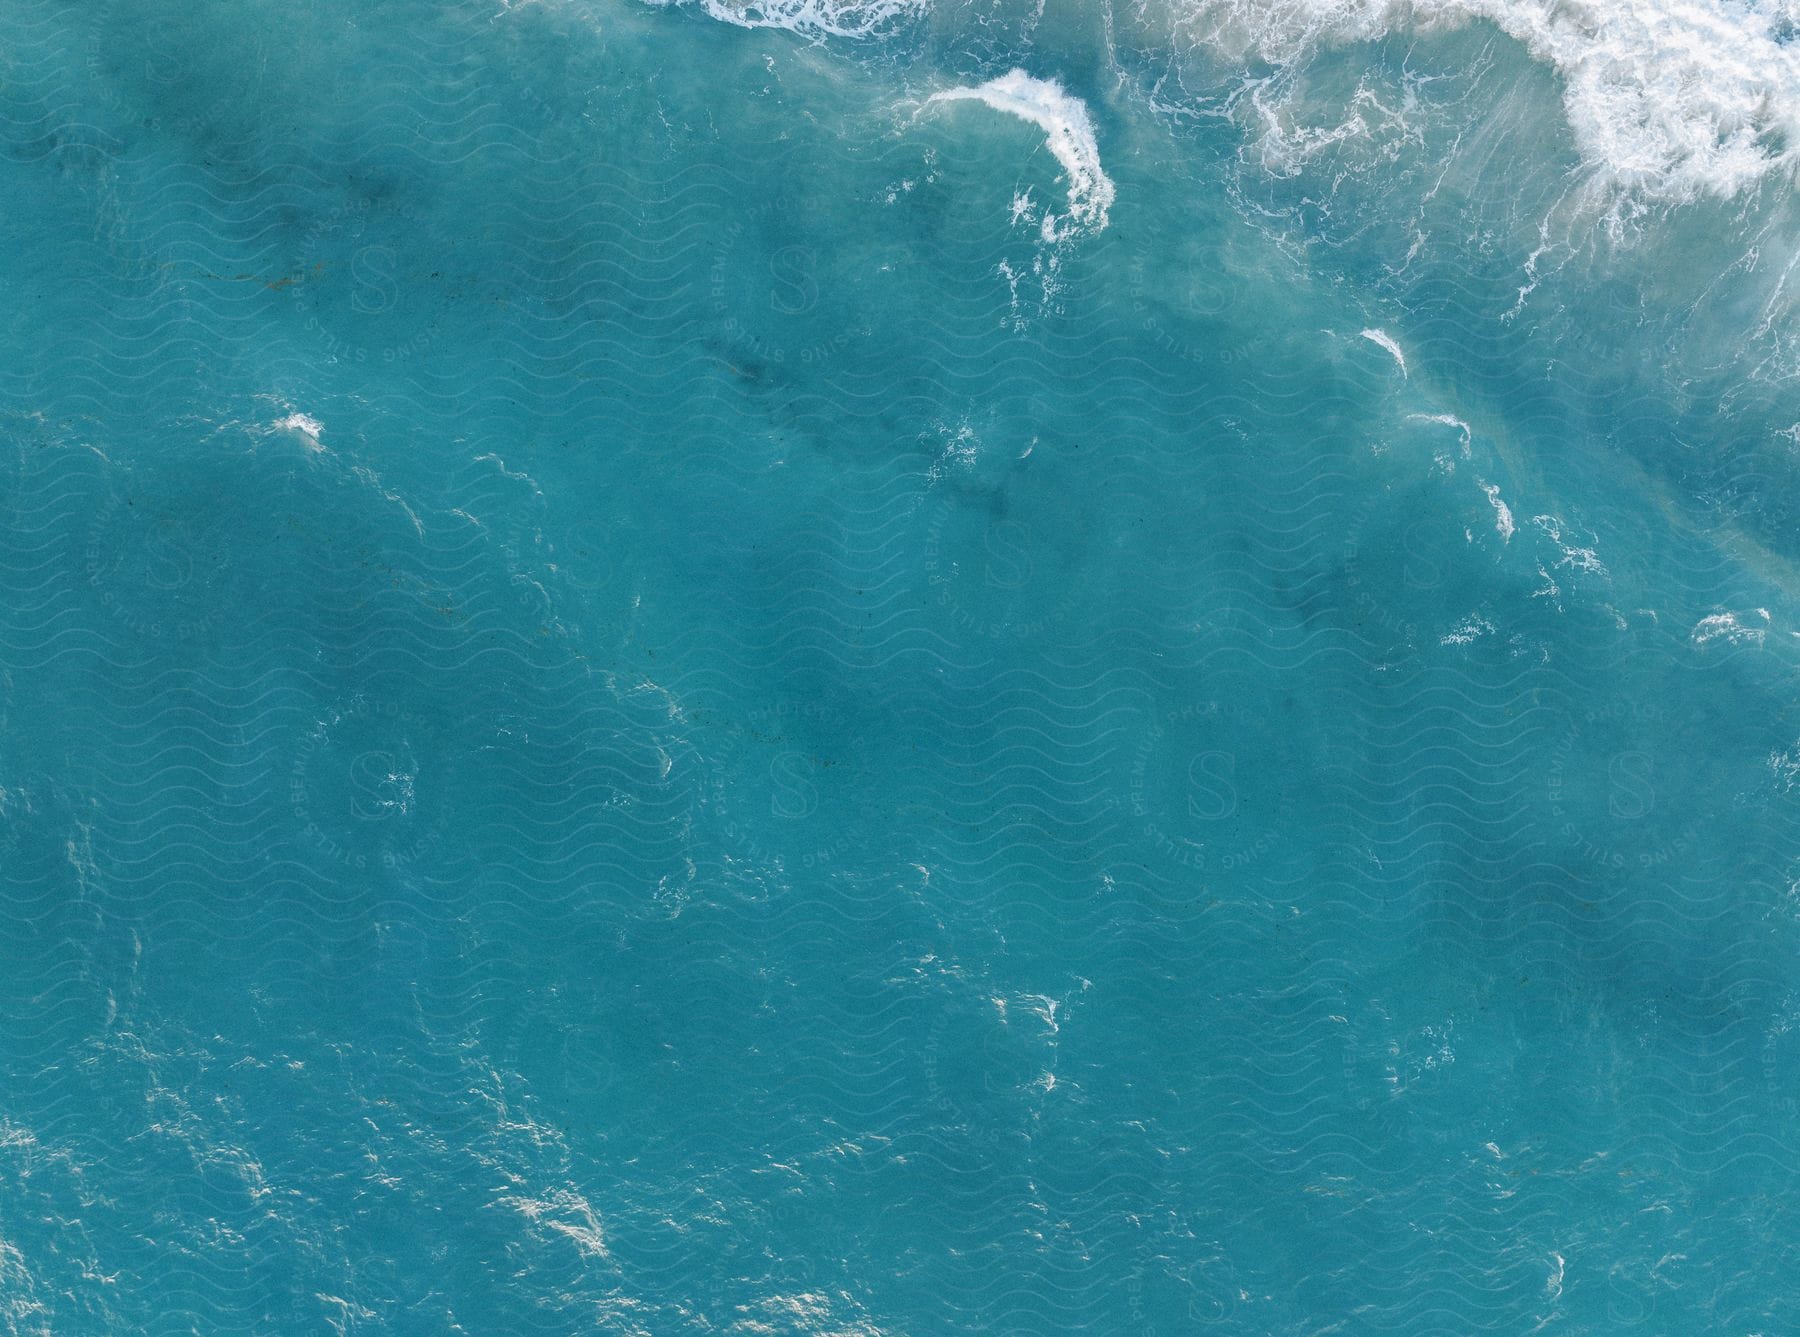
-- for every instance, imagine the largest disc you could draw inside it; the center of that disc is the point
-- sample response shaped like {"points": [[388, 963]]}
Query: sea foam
{"points": [[1670, 99], [834, 18], [1385, 340], [1065, 122]]}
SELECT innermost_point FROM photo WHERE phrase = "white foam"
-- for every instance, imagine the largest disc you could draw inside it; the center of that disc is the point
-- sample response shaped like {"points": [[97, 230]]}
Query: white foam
{"points": [[1065, 122], [1446, 420], [1470, 629], [1503, 516], [832, 18], [1578, 557], [961, 449], [1668, 98], [309, 428], [1386, 341], [1727, 627], [569, 1214]]}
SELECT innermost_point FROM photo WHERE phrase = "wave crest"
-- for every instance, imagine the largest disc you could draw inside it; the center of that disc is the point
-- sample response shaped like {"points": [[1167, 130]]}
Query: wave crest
{"points": [[1069, 129], [1673, 99]]}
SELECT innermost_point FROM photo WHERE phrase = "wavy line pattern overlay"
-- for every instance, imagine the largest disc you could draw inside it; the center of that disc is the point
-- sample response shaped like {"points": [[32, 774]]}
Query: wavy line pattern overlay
{"points": [[634, 697]]}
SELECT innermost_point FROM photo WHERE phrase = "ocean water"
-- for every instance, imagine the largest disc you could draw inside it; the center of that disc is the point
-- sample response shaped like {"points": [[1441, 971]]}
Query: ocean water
{"points": [[881, 667]]}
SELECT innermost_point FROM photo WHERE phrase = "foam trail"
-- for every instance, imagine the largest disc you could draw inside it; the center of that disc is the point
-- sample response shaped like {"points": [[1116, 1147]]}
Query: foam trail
{"points": [[1503, 516], [832, 18], [1386, 341], [1065, 121]]}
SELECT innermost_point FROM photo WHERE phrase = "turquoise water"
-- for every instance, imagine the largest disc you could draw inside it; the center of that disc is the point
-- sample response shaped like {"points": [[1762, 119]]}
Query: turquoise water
{"points": [[630, 703]]}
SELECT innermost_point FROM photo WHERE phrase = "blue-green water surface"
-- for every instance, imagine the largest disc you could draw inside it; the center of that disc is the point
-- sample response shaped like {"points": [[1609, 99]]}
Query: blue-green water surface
{"points": [[628, 705]]}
